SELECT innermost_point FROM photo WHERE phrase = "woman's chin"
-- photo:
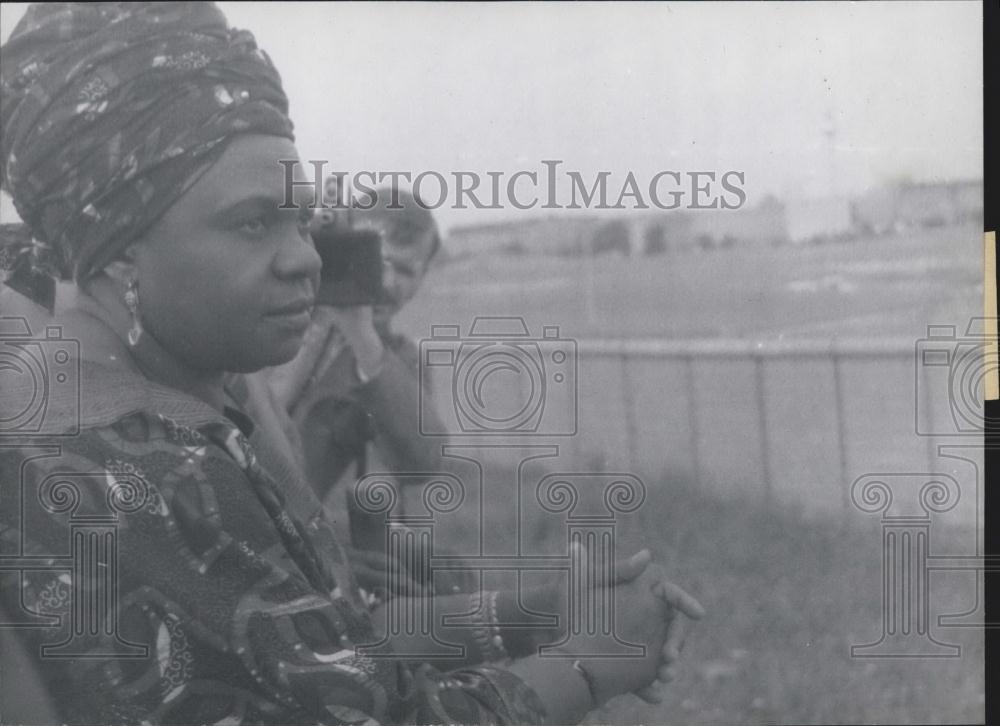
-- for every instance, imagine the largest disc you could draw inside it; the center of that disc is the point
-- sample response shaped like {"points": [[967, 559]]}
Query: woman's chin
{"points": [[268, 353], [284, 349]]}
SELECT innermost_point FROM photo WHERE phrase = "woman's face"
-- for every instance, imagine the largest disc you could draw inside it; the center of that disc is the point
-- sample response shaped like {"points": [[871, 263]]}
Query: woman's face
{"points": [[226, 279]]}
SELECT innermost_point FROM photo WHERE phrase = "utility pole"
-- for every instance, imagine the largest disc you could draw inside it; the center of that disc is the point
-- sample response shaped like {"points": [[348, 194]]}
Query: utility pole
{"points": [[830, 133]]}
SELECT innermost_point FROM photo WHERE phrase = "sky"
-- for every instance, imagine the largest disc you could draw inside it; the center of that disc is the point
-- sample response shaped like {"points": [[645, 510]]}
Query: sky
{"points": [[804, 98]]}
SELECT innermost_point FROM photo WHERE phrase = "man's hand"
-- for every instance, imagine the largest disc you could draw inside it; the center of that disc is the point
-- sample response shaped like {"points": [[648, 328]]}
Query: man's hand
{"points": [[357, 325]]}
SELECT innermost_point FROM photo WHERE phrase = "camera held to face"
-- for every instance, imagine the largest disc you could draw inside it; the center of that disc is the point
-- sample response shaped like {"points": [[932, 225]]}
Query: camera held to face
{"points": [[352, 261], [502, 380]]}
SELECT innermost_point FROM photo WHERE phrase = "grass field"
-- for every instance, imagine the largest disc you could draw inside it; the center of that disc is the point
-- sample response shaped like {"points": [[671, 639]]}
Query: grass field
{"points": [[877, 286], [785, 602], [786, 598]]}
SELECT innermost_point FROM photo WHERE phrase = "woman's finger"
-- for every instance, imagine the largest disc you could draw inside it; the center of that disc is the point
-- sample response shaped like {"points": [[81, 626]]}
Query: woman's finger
{"points": [[630, 568], [666, 674], [674, 641], [626, 569], [679, 599], [670, 652], [653, 693]]}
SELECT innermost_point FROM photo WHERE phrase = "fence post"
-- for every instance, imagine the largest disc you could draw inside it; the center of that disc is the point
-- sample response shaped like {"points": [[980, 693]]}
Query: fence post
{"points": [[929, 422], [629, 405], [838, 392], [765, 447], [693, 418]]}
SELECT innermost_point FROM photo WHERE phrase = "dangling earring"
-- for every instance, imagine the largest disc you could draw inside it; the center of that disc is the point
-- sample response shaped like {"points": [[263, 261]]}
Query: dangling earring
{"points": [[132, 303]]}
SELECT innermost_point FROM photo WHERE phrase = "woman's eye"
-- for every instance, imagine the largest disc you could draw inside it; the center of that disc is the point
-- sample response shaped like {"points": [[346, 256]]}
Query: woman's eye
{"points": [[253, 226]]}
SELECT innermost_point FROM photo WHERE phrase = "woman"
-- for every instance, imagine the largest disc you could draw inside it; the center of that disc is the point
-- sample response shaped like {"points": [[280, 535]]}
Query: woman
{"points": [[173, 568]]}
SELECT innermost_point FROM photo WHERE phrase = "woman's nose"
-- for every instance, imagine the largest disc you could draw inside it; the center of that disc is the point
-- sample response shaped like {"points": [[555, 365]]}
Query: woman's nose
{"points": [[298, 258]]}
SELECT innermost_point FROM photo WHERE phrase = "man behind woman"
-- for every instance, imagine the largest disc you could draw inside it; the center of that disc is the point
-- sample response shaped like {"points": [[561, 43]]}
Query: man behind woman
{"points": [[140, 145]]}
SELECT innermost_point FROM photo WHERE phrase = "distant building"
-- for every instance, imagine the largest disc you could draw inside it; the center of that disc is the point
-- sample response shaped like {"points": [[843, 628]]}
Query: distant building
{"points": [[538, 236], [762, 224], [671, 231], [664, 232], [643, 233], [771, 221], [817, 219], [918, 204]]}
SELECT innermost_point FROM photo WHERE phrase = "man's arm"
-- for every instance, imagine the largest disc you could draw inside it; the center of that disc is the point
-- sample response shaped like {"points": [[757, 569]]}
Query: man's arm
{"points": [[388, 388], [396, 400]]}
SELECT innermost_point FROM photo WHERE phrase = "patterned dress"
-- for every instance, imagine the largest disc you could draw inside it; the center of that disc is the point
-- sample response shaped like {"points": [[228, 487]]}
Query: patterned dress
{"points": [[162, 566]]}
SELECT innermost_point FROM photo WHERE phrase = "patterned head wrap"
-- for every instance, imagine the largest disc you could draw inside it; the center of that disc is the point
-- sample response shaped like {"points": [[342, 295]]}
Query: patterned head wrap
{"points": [[110, 112]]}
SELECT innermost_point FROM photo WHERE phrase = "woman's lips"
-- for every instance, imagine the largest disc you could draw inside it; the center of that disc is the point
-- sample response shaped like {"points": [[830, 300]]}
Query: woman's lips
{"points": [[302, 305], [297, 313]]}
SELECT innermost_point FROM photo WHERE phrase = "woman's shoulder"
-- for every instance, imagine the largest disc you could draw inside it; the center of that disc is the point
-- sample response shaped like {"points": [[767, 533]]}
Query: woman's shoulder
{"points": [[69, 374], [140, 452], [145, 433]]}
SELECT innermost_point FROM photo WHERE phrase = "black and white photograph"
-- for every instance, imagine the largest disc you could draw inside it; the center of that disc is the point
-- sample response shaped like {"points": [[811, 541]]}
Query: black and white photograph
{"points": [[494, 363]]}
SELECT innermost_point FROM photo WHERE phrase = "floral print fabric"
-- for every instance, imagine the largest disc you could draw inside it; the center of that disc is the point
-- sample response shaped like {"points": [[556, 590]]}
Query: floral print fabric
{"points": [[234, 603], [111, 111]]}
